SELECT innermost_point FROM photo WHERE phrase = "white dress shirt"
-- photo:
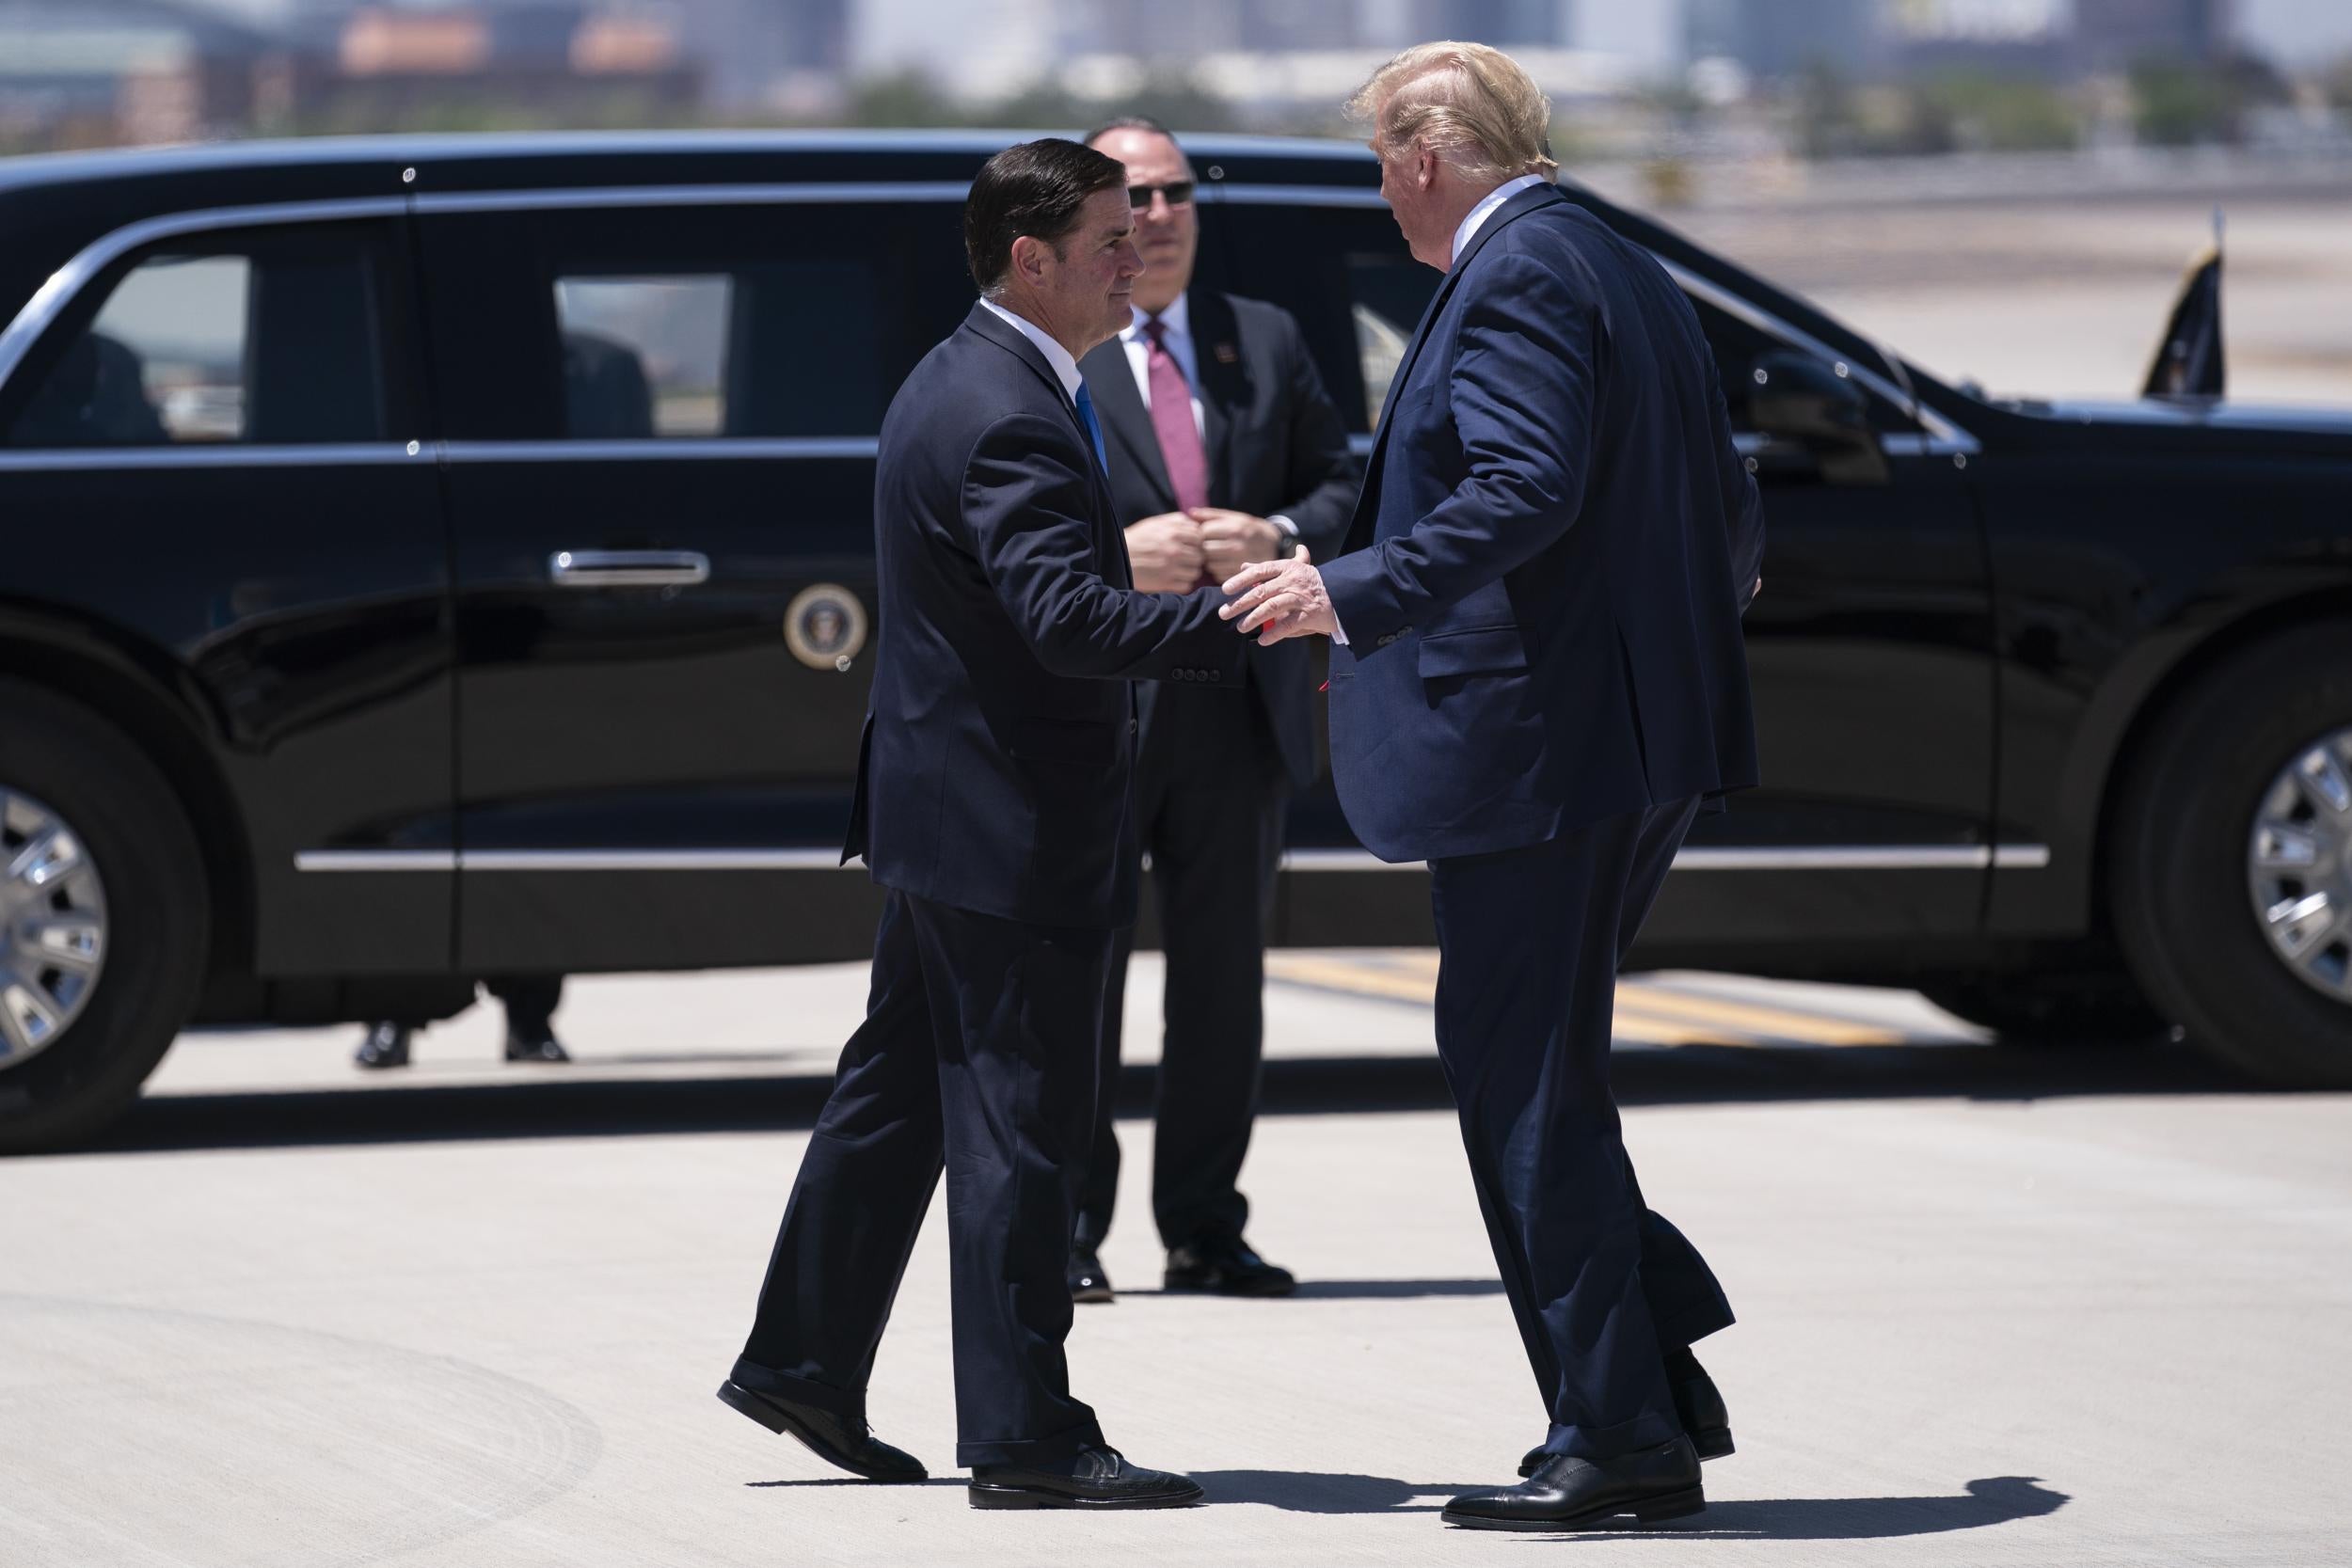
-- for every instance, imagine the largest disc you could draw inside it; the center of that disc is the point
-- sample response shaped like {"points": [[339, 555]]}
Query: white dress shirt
{"points": [[1056, 356], [1485, 209]]}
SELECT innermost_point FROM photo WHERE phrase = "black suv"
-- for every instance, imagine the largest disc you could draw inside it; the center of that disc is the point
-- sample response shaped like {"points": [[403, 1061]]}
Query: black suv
{"points": [[442, 557]]}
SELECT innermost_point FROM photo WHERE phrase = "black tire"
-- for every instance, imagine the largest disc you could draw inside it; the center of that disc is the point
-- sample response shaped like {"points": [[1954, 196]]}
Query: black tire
{"points": [[2177, 858], [2103, 1008], [158, 916]]}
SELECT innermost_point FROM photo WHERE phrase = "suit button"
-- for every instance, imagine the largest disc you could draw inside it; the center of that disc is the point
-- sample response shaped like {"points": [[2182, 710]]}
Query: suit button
{"points": [[1216, 675], [1131, 727]]}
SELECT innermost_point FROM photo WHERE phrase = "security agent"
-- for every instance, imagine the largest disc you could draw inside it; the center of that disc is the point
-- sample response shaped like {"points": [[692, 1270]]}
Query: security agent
{"points": [[1224, 449]]}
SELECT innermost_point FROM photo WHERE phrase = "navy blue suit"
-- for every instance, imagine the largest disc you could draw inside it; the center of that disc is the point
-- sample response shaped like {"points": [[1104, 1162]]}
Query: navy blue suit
{"points": [[993, 805], [1545, 679]]}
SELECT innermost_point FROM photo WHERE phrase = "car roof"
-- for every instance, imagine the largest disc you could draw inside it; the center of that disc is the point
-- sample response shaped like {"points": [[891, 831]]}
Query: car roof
{"points": [[548, 150]]}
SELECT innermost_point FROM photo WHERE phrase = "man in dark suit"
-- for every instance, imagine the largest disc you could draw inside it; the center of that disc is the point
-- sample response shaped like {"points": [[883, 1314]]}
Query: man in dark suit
{"points": [[1224, 449], [1542, 681], [992, 805]]}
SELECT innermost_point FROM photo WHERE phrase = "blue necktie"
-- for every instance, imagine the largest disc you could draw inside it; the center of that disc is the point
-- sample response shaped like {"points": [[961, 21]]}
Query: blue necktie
{"points": [[1094, 426]]}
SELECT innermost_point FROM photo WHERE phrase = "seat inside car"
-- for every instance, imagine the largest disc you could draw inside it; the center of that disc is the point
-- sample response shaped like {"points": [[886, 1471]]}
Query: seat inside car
{"points": [[606, 393]]}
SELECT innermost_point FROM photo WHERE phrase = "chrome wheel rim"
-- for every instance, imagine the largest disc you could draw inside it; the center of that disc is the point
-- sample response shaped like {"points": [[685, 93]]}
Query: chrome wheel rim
{"points": [[2299, 865], [53, 928]]}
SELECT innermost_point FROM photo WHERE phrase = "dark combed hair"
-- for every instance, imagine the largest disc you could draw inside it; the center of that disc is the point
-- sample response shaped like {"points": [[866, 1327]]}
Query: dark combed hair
{"points": [[1036, 189]]}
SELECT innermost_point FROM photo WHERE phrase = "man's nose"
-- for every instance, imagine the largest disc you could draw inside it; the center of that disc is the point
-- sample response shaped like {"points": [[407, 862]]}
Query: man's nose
{"points": [[1131, 260]]}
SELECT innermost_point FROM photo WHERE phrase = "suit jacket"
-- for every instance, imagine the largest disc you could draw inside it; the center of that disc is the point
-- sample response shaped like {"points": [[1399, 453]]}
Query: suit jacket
{"points": [[1275, 444], [1000, 736], [1547, 566]]}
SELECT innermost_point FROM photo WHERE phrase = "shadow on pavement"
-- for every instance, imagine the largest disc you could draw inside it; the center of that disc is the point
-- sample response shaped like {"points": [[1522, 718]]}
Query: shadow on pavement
{"points": [[553, 1106], [1993, 1501], [1996, 1500]]}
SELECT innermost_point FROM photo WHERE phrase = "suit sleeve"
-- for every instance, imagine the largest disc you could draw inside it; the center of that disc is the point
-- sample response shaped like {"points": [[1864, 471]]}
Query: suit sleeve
{"points": [[1027, 500], [1323, 472], [1743, 503], [1522, 395]]}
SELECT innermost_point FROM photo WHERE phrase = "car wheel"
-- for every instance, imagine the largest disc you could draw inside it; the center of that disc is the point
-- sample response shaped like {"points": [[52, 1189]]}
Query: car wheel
{"points": [[2098, 1008], [2230, 871], [105, 919]]}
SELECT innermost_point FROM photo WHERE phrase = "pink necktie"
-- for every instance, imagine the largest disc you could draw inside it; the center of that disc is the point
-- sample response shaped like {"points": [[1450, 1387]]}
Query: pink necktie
{"points": [[1171, 419]]}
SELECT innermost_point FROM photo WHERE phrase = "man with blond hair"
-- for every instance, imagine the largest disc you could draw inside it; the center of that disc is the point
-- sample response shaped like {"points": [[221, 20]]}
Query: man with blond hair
{"points": [[1538, 682]]}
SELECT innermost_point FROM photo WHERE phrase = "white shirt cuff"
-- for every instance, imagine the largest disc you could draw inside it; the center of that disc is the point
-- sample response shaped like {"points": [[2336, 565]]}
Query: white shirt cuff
{"points": [[1290, 530]]}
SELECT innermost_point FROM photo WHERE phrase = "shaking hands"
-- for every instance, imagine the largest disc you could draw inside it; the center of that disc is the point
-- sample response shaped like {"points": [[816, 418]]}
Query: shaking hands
{"points": [[1279, 599]]}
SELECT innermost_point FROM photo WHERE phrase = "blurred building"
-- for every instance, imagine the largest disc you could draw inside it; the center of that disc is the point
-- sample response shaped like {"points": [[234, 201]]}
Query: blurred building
{"points": [[2113, 34], [97, 72], [1789, 36]]}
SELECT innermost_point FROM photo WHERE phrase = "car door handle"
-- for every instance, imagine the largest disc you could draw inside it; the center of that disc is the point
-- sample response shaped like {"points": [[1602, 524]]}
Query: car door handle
{"points": [[628, 569]]}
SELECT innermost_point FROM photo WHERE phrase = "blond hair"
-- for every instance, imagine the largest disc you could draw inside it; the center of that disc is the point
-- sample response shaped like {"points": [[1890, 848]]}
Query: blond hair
{"points": [[1471, 104]]}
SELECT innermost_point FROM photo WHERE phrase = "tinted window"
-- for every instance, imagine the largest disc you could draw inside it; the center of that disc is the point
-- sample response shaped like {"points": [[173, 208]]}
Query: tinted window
{"points": [[670, 323], [1343, 271], [274, 339]]}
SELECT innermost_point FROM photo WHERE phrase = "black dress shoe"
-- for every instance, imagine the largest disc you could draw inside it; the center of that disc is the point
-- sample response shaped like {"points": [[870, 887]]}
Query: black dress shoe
{"points": [[387, 1045], [1567, 1493], [535, 1048], [1699, 1404], [1087, 1282], [833, 1438], [1225, 1267], [1094, 1478]]}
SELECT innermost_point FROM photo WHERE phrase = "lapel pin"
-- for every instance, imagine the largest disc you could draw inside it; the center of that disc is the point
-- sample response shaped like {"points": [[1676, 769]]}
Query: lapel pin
{"points": [[1227, 354]]}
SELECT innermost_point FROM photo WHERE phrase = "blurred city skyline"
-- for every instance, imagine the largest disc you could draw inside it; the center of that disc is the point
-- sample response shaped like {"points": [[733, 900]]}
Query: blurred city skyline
{"points": [[1692, 79]]}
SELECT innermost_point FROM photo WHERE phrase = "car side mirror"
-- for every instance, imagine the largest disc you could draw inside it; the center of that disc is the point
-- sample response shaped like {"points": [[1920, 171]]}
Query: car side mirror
{"points": [[1797, 399]]}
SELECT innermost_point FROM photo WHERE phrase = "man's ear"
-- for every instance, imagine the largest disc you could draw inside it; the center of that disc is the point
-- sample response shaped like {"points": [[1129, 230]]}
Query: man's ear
{"points": [[1028, 258]]}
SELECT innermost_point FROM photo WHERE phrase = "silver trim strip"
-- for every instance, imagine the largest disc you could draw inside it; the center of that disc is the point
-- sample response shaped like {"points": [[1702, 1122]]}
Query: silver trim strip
{"points": [[1925, 857], [793, 193], [228, 455], [651, 860], [1920, 857], [58, 290], [658, 449], [629, 568], [375, 860]]}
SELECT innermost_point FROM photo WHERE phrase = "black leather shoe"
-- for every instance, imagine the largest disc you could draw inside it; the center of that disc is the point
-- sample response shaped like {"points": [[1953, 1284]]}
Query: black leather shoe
{"points": [[1095, 1477], [535, 1048], [387, 1045], [1225, 1267], [1699, 1404], [1567, 1492], [1087, 1282], [835, 1439]]}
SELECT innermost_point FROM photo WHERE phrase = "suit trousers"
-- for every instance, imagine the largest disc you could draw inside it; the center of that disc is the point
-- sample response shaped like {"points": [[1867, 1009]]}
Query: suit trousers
{"points": [[1210, 793], [978, 1052], [1601, 1287]]}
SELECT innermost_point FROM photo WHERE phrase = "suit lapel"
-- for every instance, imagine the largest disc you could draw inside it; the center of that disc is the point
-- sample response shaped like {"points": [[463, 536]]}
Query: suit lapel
{"points": [[1224, 381], [987, 323], [1126, 423], [1517, 207]]}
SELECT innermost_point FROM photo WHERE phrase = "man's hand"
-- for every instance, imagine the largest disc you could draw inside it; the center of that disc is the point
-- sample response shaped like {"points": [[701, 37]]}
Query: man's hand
{"points": [[1230, 540], [1165, 553], [1280, 599]]}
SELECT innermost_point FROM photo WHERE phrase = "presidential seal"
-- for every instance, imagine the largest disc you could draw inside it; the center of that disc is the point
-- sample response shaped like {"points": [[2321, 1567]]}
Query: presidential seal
{"points": [[825, 626]]}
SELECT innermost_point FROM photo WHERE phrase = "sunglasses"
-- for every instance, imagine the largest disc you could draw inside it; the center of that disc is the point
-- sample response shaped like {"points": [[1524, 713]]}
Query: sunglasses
{"points": [[1177, 191]]}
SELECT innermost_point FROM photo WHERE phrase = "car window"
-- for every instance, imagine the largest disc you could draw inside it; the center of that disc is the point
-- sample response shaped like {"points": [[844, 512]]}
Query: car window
{"points": [[1387, 292], [670, 324], [645, 356], [1738, 345], [273, 341]]}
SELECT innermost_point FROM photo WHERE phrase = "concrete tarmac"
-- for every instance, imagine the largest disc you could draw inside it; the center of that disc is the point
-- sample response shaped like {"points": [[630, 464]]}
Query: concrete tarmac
{"points": [[1997, 1307]]}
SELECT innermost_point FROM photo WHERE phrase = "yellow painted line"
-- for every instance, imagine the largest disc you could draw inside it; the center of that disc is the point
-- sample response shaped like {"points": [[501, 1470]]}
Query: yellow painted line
{"points": [[1644, 1012], [1819, 1028]]}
